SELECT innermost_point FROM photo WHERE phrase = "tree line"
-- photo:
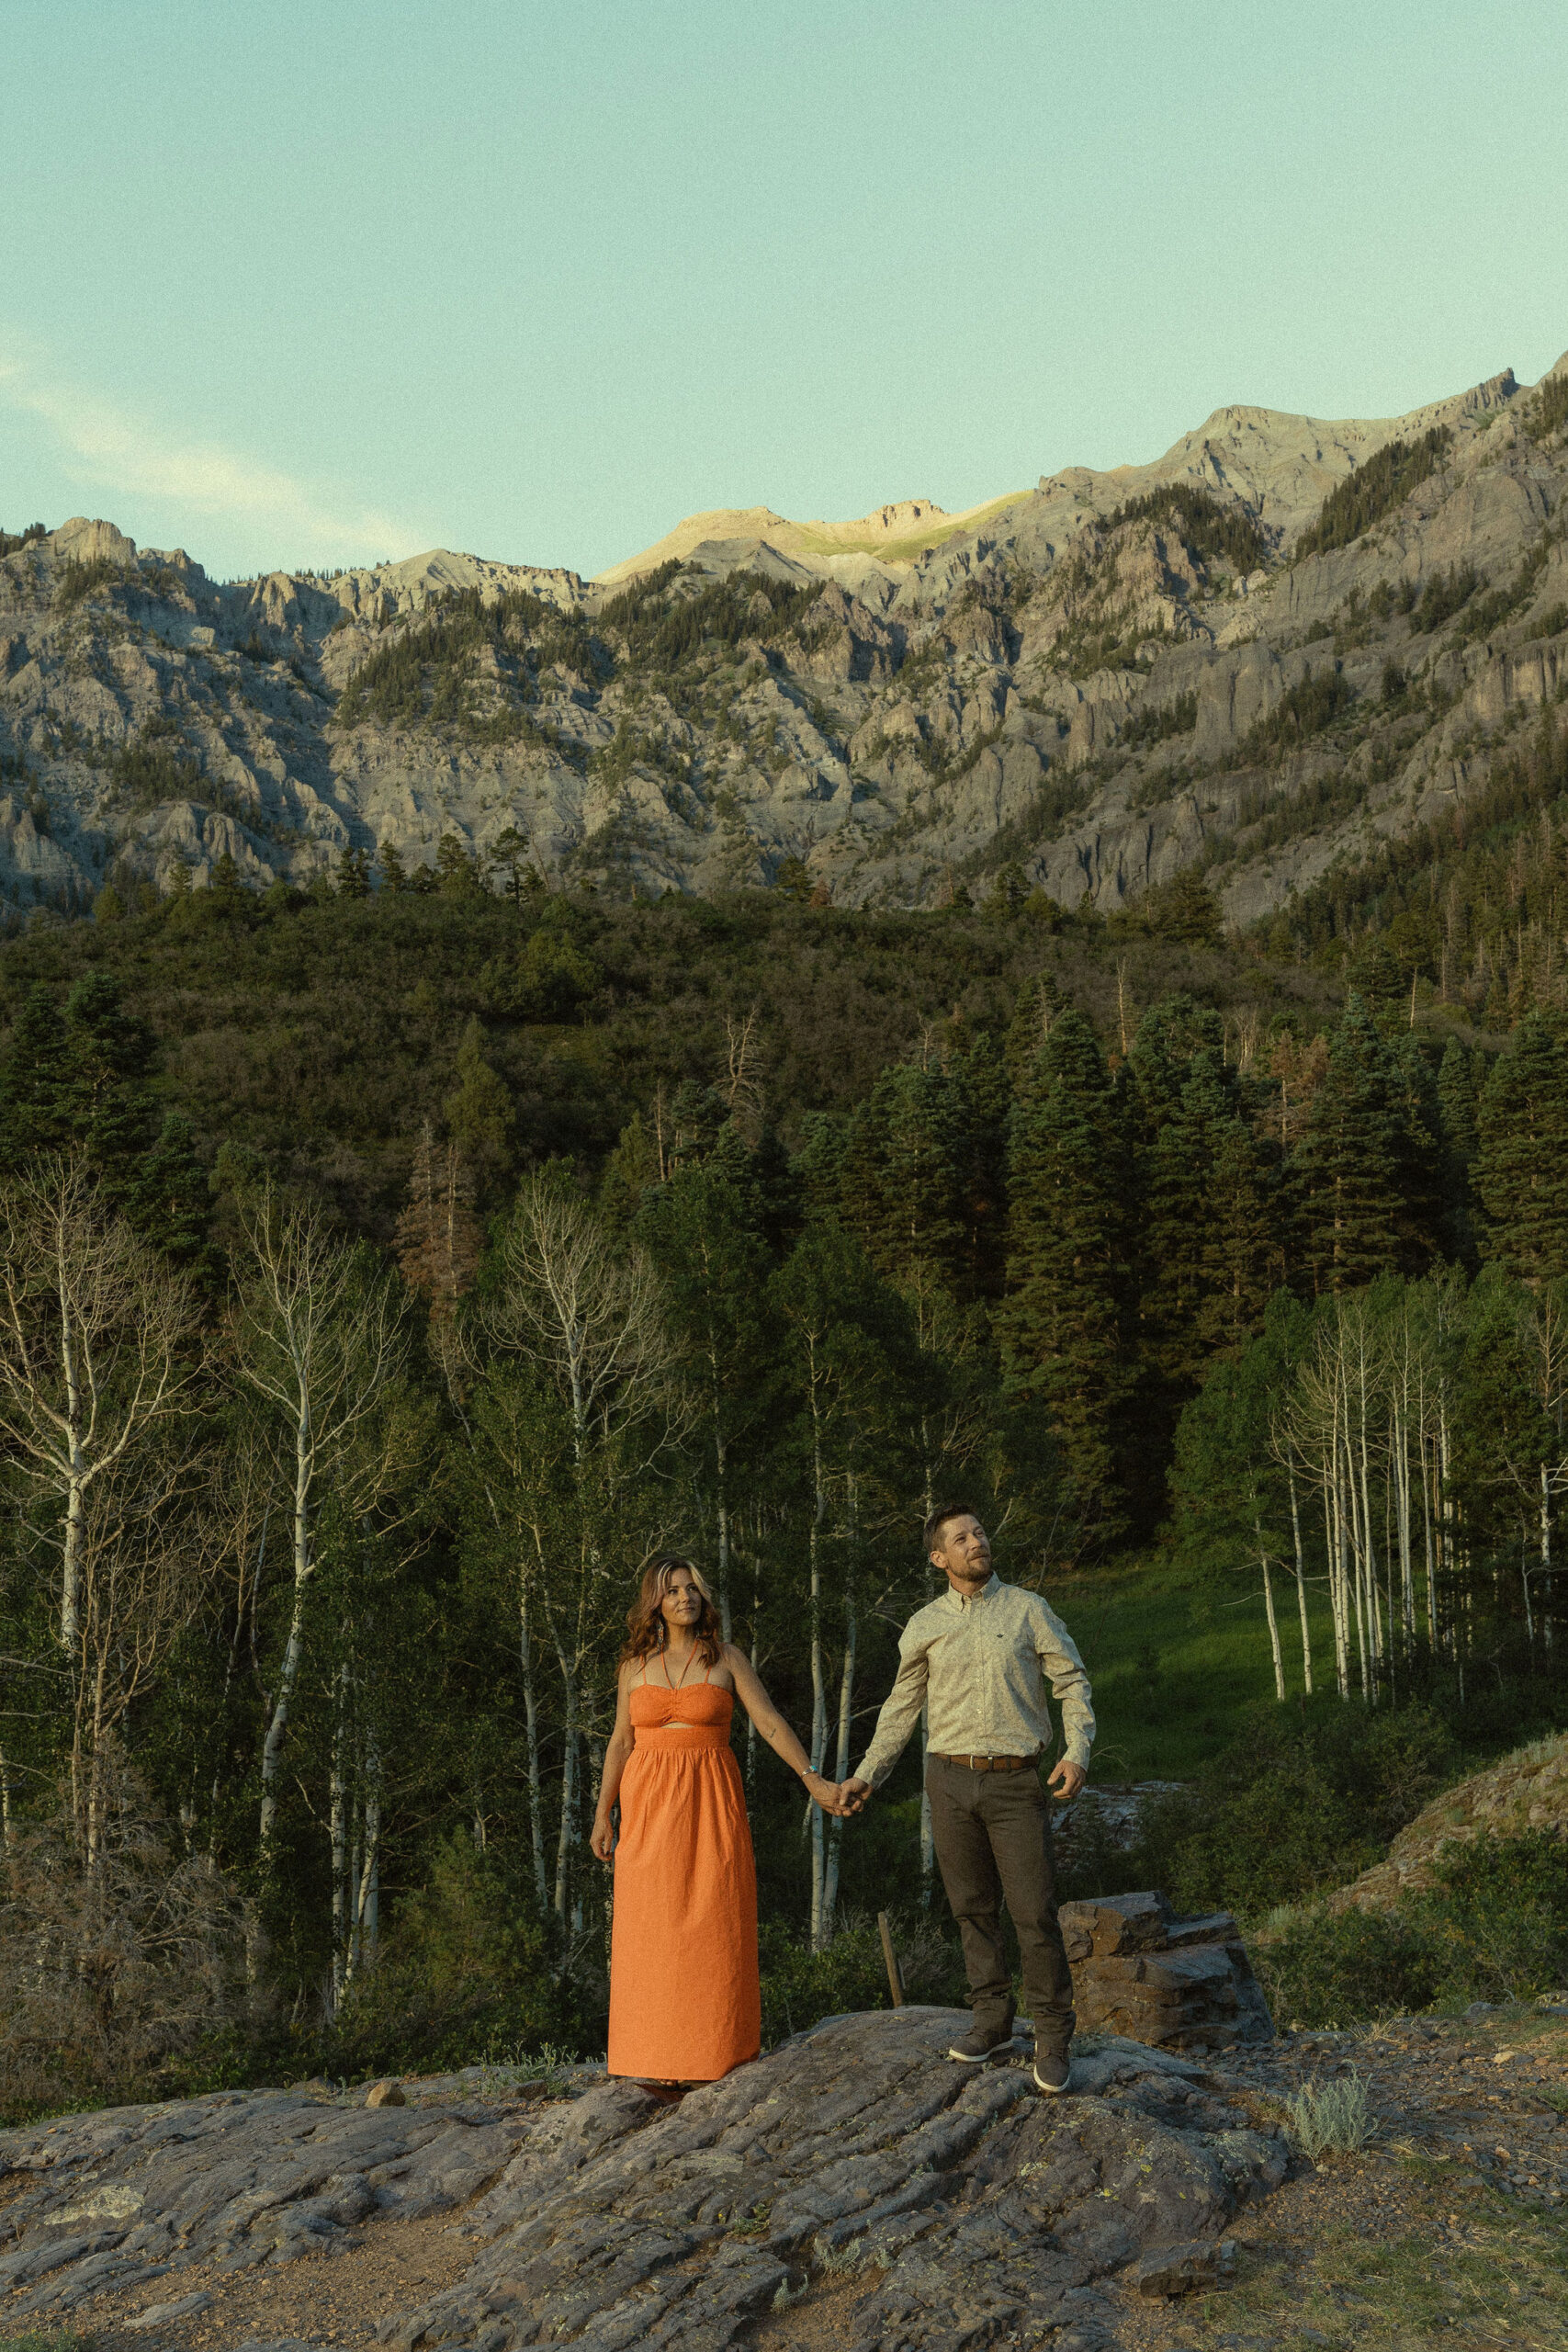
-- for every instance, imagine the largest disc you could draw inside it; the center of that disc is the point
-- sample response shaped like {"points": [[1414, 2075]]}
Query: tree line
{"points": [[316, 1546]]}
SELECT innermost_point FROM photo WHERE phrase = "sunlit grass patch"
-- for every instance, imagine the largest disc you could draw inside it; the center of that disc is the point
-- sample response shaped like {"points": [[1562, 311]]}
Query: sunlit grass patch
{"points": [[1495, 2281]]}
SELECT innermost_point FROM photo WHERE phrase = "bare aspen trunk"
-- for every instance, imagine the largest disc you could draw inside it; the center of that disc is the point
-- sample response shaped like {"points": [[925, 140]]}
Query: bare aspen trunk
{"points": [[722, 1515], [846, 1710], [1428, 1550], [928, 1836], [531, 1734], [819, 1675], [567, 1839], [1301, 1577], [365, 1876], [294, 1650], [71, 1563], [338, 1804], [756, 1637], [1273, 1621]]}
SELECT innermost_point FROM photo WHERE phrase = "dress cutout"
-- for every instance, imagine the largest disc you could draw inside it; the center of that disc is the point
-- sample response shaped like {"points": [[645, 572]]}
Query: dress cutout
{"points": [[685, 2003]]}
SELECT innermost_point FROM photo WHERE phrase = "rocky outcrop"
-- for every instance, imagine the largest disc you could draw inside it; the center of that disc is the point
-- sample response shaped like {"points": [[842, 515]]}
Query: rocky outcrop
{"points": [[1178, 1984], [1035, 683], [1527, 1791], [967, 2207]]}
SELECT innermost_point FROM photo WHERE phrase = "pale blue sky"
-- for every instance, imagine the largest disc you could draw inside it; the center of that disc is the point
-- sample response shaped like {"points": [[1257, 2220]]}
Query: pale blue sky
{"points": [[321, 281]]}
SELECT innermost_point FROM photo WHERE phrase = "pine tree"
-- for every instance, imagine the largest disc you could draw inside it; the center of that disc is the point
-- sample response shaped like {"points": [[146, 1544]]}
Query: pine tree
{"points": [[1364, 1171], [478, 1110], [353, 872], [701, 1231], [1459, 1096], [224, 886], [982, 1096], [456, 872], [629, 1172], [393, 877], [509, 855], [817, 1167], [169, 1200], [1521, 1162], [901, 1178], [1062, 1321], [438, 1234], [697, 1114], [34, 1113]]}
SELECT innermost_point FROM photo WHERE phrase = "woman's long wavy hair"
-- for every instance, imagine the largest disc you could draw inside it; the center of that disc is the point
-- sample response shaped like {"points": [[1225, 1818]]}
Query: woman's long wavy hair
{"points": [[646, 1629]]}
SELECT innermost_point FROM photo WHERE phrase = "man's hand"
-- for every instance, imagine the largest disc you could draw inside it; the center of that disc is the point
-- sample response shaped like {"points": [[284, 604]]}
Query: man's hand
{"points": [[852, 1795], [1066, 1779]]}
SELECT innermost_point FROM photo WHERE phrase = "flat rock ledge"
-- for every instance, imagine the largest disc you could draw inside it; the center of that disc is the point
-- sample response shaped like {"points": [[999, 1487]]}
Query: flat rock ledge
{"points": [[970, 2208]]}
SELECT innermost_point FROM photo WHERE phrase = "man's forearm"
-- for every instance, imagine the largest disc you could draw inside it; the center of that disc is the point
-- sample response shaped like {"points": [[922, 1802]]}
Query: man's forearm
{"points": [[900, 1714]]}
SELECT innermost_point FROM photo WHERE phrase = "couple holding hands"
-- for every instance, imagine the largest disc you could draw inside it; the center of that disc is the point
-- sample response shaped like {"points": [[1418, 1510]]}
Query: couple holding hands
{"points": [[685, 2005]]}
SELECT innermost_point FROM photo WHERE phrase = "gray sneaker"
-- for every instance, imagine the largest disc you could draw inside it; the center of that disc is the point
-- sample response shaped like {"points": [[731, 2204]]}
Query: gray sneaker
{"points": [[982, 2042], [1052, 2067]]}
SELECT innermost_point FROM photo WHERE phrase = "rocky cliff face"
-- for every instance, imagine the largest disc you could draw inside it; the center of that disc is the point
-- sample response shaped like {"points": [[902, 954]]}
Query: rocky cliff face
{"points": [[1089, 688]]}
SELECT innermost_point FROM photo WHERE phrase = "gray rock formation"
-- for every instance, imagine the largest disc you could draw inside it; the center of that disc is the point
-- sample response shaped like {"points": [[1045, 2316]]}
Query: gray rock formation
{"points": [[1089, 699], [1178, 1984], [968, 2207]]}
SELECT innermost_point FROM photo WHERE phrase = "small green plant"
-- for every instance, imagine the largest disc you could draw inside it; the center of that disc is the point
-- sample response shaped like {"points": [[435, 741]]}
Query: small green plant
{"points": [[838, 2258], [1330, 2118]]}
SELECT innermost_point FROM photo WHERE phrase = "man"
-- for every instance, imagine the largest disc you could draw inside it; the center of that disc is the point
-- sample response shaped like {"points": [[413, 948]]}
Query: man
{"points": [[979, 1657]]}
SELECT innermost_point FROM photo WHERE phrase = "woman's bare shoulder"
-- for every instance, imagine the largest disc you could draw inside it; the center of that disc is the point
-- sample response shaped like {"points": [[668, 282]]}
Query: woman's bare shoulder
{"points": [[732, 1658], [632, 1671]]}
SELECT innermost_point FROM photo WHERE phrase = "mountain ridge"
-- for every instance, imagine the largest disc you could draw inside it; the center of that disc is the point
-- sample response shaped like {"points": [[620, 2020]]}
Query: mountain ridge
{"points": [[1098, 683]]}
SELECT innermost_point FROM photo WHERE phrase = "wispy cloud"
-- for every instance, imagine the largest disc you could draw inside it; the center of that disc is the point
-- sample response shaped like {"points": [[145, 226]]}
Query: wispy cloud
{"points": [[104, 445]]}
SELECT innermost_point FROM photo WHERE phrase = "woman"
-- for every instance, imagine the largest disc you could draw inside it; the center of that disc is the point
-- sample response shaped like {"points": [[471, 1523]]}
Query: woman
{"points": [[685, 2005]]}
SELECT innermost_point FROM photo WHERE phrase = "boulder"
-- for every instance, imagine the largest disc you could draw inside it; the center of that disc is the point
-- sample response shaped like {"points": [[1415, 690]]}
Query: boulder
{"points": [[962, 2206], [1179, 1984], [1177, 2270]]}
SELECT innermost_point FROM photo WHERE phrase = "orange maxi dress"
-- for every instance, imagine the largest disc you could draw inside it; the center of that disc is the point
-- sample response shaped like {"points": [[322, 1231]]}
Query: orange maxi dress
{"points": [[685, 2003]]}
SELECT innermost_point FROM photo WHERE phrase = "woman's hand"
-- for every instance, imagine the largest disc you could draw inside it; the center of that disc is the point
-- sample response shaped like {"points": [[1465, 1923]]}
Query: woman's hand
{"points": [[601, 1837], [822, 1791]]}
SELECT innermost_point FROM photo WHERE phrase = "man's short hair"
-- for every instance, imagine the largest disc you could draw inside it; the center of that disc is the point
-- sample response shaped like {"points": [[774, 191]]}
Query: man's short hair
{"points": [[939, 1520]]}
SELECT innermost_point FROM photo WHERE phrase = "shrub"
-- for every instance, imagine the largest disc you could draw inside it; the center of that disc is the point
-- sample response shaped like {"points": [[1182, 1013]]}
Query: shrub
{"points": [[1330, 2118], [800, 1987], [1498, 1911], [1300, 1803], [111, 1971], [469, 1973], [1335, 1969]]}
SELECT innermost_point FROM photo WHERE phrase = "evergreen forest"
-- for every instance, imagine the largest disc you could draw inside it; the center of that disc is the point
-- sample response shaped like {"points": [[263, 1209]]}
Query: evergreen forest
{"points": [[388, 1270]]}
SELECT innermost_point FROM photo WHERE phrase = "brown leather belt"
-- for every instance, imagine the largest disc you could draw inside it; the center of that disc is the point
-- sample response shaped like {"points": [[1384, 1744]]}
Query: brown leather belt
{"points": [[990, 1763]]}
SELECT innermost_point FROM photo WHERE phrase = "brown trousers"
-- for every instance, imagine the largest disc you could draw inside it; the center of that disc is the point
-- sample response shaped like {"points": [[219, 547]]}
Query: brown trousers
{"points": [[992, 1832]]}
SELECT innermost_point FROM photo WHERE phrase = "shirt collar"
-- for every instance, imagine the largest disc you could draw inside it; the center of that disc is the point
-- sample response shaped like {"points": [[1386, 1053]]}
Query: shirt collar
{"points": [[956, 1599]]}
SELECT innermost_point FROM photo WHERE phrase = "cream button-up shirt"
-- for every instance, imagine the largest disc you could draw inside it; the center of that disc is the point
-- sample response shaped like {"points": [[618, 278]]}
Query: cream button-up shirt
{"points": [[982, 1666]]}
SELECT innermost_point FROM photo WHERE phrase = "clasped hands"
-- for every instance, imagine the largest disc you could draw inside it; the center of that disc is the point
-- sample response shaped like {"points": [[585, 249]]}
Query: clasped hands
{"points": [[849, 1796], [840, 1797]]}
